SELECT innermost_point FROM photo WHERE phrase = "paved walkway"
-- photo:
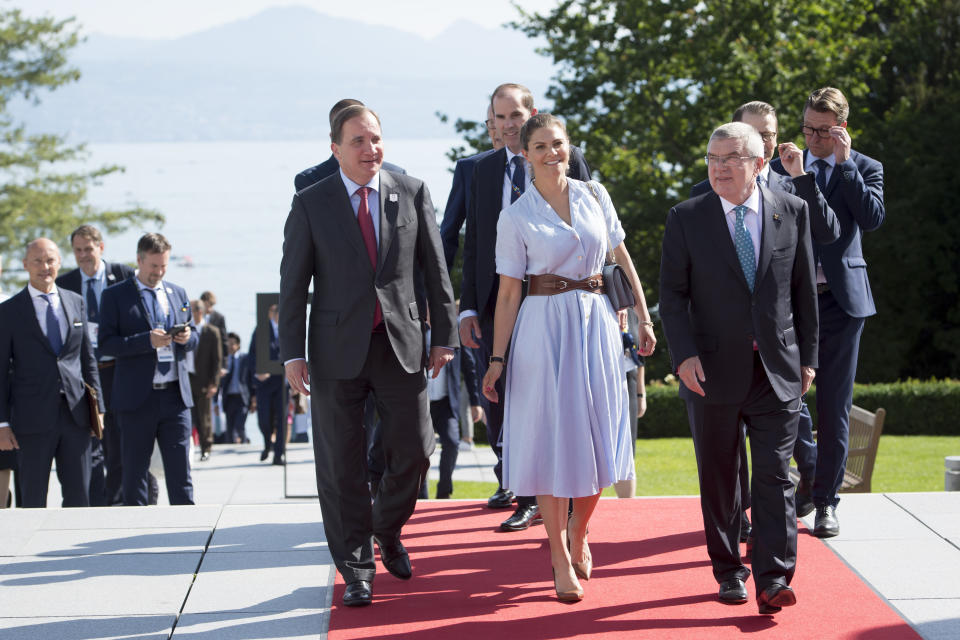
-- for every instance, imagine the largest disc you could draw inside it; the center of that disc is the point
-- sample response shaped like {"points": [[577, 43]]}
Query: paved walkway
{"points": [[249, 563]]}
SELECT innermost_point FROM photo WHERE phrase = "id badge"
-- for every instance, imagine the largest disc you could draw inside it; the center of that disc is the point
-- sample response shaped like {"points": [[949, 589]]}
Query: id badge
{"points": [[165, 354], [93, 332]]}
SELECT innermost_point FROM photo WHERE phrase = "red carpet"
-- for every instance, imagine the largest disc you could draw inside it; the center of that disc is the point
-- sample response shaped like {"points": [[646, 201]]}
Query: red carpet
{"points": [[651, 579]]}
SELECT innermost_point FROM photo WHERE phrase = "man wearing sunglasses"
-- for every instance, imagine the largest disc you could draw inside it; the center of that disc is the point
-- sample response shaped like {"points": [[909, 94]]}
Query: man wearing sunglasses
{"points": [[852, 186]]}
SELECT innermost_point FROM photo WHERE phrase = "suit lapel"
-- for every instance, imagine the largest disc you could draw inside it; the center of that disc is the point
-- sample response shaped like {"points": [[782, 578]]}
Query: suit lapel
{"points": [[72, 312], [342, 210], [34, 322], [717, 223], [147, 318], [389, 209], [771, 224]]}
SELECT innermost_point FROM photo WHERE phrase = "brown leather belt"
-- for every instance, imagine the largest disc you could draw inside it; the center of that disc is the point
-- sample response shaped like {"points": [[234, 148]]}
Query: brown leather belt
{"points": [[106, 364], [548, 284]]}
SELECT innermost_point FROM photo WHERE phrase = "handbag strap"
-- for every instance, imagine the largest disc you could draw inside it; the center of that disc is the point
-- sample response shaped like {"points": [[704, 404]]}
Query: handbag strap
{"points": [[611, 258]]}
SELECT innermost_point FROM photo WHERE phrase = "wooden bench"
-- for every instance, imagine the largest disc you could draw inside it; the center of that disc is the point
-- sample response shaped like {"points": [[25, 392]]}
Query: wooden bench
{"points": [[865, 431]]}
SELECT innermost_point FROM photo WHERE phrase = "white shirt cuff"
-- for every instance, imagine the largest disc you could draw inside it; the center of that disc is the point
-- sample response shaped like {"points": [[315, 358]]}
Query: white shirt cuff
{"points": [[467, 313]]}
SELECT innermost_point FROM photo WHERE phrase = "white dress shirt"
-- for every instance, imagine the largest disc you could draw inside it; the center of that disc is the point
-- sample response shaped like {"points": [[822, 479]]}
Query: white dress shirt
{"points": [[752, 220], [373, 200], [508, 178], [40, 307]]}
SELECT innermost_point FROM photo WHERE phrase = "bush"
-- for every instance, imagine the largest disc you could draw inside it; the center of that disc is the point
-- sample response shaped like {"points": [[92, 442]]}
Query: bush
{"points": [[914, 407]]}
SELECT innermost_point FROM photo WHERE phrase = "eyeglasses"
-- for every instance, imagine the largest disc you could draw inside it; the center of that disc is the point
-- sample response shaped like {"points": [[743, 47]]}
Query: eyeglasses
{"points": [[723, 161], [768, 135], [821, 133]]}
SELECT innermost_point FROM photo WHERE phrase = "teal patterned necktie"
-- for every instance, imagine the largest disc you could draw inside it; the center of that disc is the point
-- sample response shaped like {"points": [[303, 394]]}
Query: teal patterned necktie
{"points": [[744, 245]]}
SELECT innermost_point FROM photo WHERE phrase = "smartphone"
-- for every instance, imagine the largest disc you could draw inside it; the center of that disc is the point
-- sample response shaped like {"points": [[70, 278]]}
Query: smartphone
{"points": [[177, 329]]}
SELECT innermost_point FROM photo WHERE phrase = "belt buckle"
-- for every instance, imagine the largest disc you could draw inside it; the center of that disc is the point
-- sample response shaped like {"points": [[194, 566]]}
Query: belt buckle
{"points": [[561, 284], [594, 283]]}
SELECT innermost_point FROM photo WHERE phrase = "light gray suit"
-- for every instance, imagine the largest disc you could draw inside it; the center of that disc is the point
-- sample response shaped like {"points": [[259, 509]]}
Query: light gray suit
{"points": [[348, 359]]}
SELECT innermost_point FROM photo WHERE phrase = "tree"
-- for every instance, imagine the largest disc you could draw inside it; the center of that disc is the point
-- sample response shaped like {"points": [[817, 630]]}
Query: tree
{"points": [[642, 83], [37, 196]]}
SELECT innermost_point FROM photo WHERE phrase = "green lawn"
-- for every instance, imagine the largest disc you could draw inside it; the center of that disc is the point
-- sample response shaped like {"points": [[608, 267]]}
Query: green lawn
{"points": [[666, 467]]}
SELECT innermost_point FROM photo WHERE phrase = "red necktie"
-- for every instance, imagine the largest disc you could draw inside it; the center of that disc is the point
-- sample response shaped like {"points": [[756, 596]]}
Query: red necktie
{"points": [[370, 240]]}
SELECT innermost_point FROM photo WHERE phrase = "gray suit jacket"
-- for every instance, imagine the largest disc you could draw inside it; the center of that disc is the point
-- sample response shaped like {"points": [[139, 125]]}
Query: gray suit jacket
{"points": [[322, 243], [708, 310]]}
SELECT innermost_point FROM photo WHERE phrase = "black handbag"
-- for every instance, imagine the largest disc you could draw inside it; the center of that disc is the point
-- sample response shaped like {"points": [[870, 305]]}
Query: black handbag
{"points": [[615, 282]]}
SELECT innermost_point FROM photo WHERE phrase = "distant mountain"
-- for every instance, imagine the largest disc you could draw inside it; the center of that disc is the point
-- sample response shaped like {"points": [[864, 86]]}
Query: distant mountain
{"points": [[275, 75]]}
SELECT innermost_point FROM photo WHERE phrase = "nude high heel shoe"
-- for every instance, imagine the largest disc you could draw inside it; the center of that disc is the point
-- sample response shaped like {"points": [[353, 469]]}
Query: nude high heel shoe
{"points": [[570, 595]]}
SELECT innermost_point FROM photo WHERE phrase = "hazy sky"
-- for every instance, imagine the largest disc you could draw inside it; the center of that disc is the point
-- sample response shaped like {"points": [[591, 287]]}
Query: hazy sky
{"points": [[172, 18]]}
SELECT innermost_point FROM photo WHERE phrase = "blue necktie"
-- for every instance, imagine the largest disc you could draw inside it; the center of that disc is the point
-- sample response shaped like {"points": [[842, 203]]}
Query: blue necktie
{"points": [[519, 179], [53, 325], [744, 245], [159, 318], [93, 311], [822, 166]]}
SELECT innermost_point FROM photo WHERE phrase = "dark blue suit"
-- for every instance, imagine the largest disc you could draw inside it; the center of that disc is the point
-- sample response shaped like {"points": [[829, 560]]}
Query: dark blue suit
{"points": [[106, 466], [43, 399], [854, 194], [145, 413], [455, 213], [235, 404], [271, 414]]}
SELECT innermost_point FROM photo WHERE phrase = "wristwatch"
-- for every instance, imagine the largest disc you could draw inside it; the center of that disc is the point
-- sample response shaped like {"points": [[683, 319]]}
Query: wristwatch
{"points": [[499, 359]]}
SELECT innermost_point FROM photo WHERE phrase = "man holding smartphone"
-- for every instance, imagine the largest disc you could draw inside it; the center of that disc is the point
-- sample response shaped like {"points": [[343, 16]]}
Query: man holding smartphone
{"points": [[145, 324]]}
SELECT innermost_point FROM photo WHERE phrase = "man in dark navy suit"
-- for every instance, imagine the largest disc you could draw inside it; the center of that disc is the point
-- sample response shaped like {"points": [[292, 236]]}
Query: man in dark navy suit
{"points": [[330, 166], [145, 324], [236, 389], [271, 413], [89, 279], [45, 359], [824, 229], [455, 213], [850, 184], [738, 305], [498, 179]]}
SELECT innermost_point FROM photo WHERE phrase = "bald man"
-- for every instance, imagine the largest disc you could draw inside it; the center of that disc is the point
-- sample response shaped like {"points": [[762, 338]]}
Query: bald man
{"points": [[45, 359]]}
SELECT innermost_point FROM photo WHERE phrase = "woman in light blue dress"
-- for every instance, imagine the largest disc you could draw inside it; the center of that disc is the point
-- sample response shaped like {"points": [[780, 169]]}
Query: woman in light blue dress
{"points": [[566, 429]]}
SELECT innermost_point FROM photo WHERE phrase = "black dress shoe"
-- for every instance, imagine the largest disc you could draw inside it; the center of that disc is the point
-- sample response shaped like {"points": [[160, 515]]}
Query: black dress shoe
{"points": [[395, 558], [204, 456], [732, 591], [502, 499], [804, 499], [279, 460], [358, 594], [523, 517], [264, 454], [826, 524], [774, 598]]}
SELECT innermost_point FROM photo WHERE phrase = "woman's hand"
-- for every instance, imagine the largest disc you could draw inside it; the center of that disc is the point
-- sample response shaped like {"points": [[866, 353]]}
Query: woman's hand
{"points": [[646, 340], [641, 406], [494, 371]]}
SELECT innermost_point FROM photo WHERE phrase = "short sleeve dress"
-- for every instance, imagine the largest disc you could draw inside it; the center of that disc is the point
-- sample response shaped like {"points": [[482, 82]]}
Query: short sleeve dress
{"points": [[565, 428]]}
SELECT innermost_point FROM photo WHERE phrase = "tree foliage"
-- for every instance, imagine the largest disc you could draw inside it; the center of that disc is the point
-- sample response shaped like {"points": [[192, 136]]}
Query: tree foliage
{"points": [[642, 83], [43, 184]]}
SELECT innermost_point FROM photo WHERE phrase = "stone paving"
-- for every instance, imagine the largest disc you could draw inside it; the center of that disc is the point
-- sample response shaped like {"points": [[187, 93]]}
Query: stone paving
{"points": [[250, 561]]}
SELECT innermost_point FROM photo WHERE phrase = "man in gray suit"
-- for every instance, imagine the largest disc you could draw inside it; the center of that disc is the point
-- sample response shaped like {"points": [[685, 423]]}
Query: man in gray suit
{"points": [[738, 304], [360, 236]]}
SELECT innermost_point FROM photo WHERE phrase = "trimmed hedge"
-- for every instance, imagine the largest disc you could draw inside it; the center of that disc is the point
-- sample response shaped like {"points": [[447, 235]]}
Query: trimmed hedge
{"points": [[914, 407]]}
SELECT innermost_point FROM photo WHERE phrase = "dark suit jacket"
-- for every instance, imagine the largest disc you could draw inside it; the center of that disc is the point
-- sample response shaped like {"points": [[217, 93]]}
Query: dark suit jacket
{"points": [[855, 195], [208, 358], [455, 213], [824, 226], [125, 334], [328, 167], [216, 319], [708, 310], [246, 377], [322, 243], [116, 272], [31, 374], [480, 243]]}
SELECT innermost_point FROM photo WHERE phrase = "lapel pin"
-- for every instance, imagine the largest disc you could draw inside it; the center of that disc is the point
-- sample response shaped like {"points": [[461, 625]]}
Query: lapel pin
{"points": [[776, 217], [393, 197]]}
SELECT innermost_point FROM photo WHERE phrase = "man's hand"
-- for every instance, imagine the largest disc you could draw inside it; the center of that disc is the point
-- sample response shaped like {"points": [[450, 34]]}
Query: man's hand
{"points": [[439, 356], [622, 319], [842, 143], [253, 405], [8, 441], [691, 373], [211, 391], [476, 413], [159, 338], [470, 327], [641, 406], [298, 376], [261, 376], [792, 158], [807, 375], [183, 336]]}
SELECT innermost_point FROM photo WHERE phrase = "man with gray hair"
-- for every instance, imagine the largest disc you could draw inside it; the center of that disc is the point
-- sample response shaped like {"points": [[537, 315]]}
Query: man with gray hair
{"points": [[739, 309]]}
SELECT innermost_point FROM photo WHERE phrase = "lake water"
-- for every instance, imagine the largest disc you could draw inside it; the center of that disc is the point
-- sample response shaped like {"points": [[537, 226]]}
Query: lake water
{"points": [[225, 205]]}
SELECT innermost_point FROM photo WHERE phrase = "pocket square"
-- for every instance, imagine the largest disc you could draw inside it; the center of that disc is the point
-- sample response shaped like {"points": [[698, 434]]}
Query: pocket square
{"points": [[393, 197]]}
